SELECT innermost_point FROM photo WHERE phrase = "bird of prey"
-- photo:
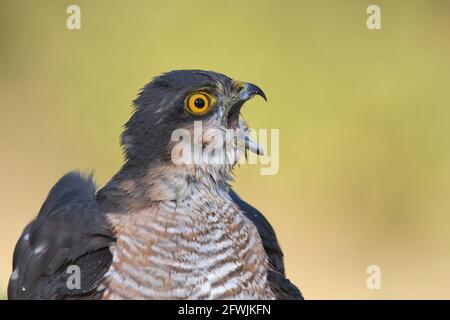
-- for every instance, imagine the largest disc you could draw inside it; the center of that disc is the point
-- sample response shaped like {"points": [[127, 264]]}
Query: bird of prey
{"points": [[159, 229]]}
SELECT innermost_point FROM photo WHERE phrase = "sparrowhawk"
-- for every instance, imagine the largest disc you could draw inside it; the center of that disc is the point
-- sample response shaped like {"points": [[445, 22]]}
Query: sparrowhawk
{"points": [[158, 229]]}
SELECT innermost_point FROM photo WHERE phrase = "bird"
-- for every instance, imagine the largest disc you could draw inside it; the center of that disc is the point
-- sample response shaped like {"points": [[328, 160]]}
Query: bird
{"points": [[159, 229]]}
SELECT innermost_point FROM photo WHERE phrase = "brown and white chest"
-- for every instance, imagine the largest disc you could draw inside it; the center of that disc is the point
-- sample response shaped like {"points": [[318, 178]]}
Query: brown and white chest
{"points": [[200, 248]]}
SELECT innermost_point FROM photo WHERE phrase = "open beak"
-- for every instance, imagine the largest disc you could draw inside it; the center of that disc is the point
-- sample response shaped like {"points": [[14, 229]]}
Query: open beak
{"points": [[247, 92]]}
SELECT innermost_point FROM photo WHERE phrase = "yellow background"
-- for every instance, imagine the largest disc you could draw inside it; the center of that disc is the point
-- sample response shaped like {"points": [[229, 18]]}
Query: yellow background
{"points": [[364, 119]]}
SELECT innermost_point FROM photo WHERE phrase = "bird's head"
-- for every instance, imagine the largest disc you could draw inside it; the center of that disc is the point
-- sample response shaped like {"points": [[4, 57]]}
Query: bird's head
{"points": [[181, 100]]}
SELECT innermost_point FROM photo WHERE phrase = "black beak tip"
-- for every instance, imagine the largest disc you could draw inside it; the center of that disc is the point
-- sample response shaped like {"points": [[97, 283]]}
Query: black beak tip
{"points": [[254, 89], [263, 95]]}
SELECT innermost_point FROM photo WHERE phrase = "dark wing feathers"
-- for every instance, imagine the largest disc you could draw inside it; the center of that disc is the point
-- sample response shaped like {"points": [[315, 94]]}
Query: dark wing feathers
{"points": [[280, 285], [69, 230], [283, 288]]}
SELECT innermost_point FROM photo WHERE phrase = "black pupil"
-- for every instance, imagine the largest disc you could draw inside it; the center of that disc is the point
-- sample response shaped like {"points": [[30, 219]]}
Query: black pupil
{"points": [[199, 103]]}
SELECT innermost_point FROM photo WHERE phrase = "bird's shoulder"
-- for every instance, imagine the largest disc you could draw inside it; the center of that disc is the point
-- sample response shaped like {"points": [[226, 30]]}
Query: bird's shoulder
{"points": [[280, 285], [69, 230]]}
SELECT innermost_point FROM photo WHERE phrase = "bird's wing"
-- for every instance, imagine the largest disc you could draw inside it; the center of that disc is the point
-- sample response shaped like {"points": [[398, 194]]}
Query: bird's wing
{"points": [[69, 230], [280, 285]]}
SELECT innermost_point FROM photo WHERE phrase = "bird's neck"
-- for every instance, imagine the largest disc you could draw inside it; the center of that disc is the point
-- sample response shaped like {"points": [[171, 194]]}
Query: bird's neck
{"points": [[137, 187]]}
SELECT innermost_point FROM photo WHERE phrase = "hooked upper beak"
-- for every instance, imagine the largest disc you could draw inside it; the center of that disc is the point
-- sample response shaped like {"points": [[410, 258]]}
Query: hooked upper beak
{"points": [[249, 90]]}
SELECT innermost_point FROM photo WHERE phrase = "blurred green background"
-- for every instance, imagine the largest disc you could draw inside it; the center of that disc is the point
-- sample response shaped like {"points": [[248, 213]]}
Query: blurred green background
{"points": [[364, 119]]}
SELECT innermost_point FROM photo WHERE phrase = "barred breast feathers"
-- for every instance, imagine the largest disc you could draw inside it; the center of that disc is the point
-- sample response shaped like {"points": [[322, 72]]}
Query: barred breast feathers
{"points": [[191, 243]]}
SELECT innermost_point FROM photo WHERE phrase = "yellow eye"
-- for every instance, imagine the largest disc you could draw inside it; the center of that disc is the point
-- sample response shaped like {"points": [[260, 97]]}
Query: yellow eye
{"points": [[199, 103]]}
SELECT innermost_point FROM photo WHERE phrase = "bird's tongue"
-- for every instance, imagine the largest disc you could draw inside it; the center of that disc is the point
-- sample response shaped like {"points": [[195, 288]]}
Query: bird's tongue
{"points": [[253, 146]]}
